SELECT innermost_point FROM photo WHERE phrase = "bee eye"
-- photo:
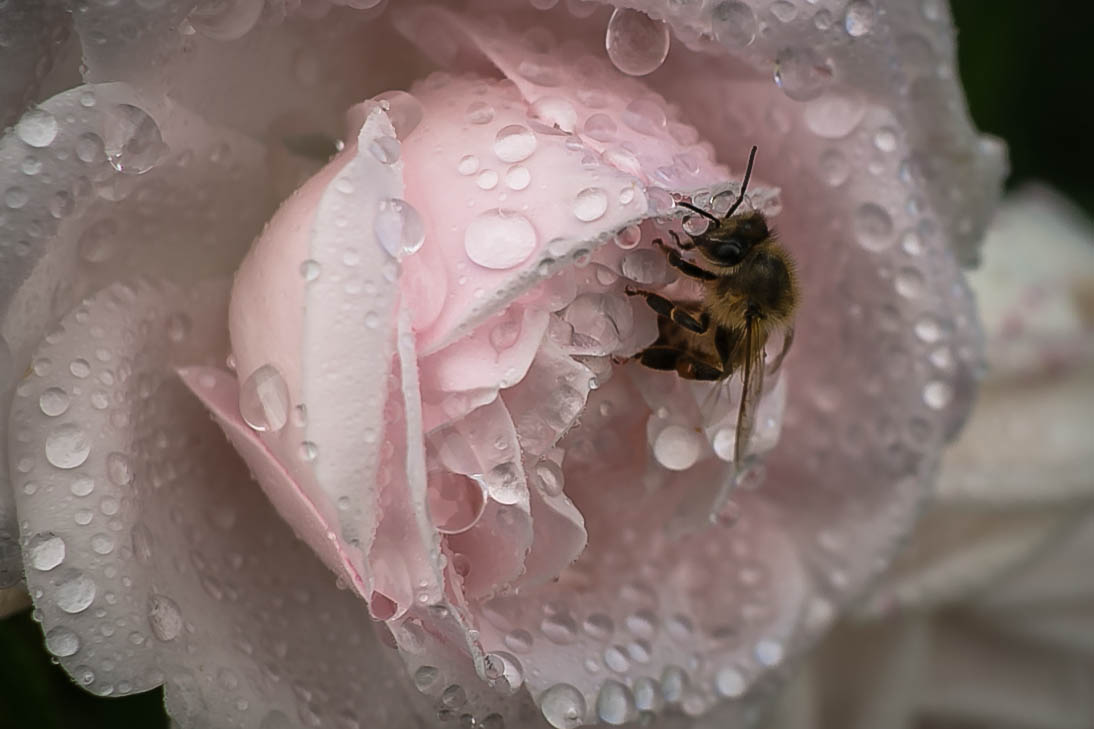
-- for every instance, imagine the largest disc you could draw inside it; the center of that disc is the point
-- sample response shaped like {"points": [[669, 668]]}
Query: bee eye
{"points": [[728, 253]]}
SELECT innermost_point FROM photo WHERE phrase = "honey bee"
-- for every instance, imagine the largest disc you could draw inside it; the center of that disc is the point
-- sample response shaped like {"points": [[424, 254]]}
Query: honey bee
{"points": [[750, 291]]}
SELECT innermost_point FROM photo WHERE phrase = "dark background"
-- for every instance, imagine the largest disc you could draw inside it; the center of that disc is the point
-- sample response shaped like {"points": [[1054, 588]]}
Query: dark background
{"points": [[1027, 72]]}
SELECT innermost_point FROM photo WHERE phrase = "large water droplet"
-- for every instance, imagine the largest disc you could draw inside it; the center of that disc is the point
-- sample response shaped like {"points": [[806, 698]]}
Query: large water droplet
{"points": [[404, 110], [514, 143], [518, 177], [264, 399], [636, 43], [53, 401], [45, 551], [600, 127], [62, 642], [456, 502], [802, 73], [563, 706], [873, 227], [67, 446], [677, 447], [225, 19], [132, 140], [499, 239], [590, 204], [164, 617], [859, 18], [734, 23], [504, 483], [615, 703], [38, 128], [74, 593], [399, 228]]}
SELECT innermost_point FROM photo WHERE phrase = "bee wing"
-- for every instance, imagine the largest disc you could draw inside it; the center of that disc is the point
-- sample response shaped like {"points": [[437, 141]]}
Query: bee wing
{"points": [[753, 379]]}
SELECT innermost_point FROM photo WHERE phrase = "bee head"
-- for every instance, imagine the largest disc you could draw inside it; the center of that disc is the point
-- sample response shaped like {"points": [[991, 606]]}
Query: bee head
{"points": [[730, 241]]}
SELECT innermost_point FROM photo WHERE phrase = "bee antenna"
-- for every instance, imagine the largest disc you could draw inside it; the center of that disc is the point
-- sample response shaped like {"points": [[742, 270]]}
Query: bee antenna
{"points": [[744, 182], [702, 212]]}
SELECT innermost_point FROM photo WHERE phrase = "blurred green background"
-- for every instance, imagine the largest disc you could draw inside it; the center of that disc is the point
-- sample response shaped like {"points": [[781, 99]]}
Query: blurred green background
{"points": [[1026, 70]]}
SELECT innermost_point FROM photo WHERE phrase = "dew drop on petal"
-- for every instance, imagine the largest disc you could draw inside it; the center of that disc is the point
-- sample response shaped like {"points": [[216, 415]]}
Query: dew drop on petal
{"points": [[62, 642], [518, 177], [480, 112], [937, 394], [730, 683], [67, 446], [514, 143], [487, 180], [873, 227], [499, 239], [399, 228], [802, 73], [645, 116], [554, 111], [636, 43], [468, 165], [563, 706], [38, 128], [504, 483], [734, 23], [74, 593], [132, 140], [677, 447], [264, 399], [164, 617], [590, 204], [456, 502], [859, 18], [549, 477], [404, 110], [615, 703], [53, 401], [600, 127], [45, 551], [386, 150]]}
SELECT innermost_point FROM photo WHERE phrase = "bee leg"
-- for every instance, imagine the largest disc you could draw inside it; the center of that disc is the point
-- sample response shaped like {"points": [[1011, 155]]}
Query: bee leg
{"points": [[671, 311], [685, 267], [682, 245], [686, 365], [788, 339]]}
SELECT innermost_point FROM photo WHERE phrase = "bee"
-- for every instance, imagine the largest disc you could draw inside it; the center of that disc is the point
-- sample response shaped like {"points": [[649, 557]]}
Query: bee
{"points": [[750, 291]]}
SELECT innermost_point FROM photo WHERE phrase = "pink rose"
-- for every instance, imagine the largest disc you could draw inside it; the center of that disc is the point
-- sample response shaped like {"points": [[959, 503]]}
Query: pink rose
{"points": [[421, 360]]}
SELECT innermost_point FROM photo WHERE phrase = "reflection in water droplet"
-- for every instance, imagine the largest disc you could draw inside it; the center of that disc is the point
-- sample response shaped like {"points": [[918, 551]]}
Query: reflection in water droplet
{"points": [[399, 228], [802, 73], [264, 399], [514, 143], [563, 706], [53, 401], [74, 593], [499, 239], [45, 551], [132, 140], [504, 483], [734, 23], [67, 446], [677, 447], [38, 128], [456, 502], [636, 43], [590, 204], [615, 703], [62, 642]]}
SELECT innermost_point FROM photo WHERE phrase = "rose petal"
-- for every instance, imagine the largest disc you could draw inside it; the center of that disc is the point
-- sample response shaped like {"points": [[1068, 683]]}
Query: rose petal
{"points": [[34, 34]]}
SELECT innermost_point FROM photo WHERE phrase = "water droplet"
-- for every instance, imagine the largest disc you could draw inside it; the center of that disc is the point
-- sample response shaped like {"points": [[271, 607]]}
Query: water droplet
{"points": [[560, 629], [62, 642], [81, 486], [629, 237], [909, 282], [674, 682], [132, 142], [45, 551], [404, 110], [563, 706], [453, 696], [499, 239], [425, 677], [769, 652], [74, 593], [859, 18], [937, 394], [456, 502], [264, 399], [519, 640], [53, 401], [645, 116], [734, 23], [514, 143], [555, 112], [549, 477], [518, 177], [730, 683], [399, 228], [67, 446], [590, 204], [308, 451], [600, 127], [784, 11], [834, 168], [873, 227], [386, 150], [677, 447], [802, 73], [164, 617], [225, 20], [118, 469], [102, 543], [480, 112], [487, 180], [834, 115], [636, 43], [16, 197], [885, 139], [38, 128]]}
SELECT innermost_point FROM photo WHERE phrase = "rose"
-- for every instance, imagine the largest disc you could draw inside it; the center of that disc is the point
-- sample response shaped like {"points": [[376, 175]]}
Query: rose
{"points": [[153, 560]]}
